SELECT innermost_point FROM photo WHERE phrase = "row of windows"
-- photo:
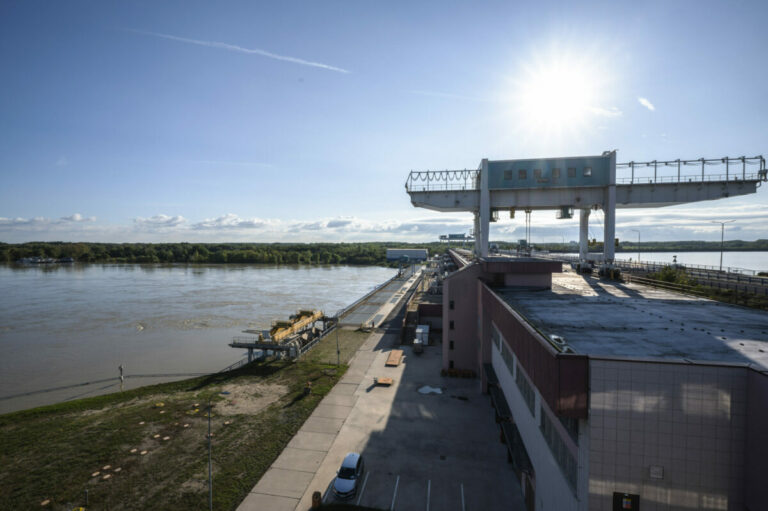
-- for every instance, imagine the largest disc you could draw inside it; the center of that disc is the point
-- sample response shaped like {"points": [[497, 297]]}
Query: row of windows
{"points": [[555, 442], [537, 174], [496, 336], [560, 451], [526, 389]]}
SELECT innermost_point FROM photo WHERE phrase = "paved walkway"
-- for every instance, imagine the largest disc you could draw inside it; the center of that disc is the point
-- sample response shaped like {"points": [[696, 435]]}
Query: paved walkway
{"points": [[377, 307], [287, 480]]}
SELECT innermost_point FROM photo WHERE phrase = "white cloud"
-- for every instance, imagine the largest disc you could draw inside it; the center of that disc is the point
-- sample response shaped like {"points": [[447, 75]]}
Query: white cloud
{"points": [[656, 224], [606, 112], [250, 51], [647, 104], [158, 222], [62, 161], [41, 224], [228, 222], [77, 217]]}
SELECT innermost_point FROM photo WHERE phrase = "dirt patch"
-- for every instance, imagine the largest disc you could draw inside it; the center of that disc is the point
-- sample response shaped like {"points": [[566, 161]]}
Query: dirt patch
{"points": [[118, 406], [249, 398]]}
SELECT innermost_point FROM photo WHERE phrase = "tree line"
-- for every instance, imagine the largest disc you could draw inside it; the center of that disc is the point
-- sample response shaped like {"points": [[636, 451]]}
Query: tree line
{"points": [[372, 253]]}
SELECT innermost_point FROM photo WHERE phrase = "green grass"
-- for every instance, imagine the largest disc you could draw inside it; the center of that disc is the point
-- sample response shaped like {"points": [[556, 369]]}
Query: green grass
{"points": [[50, 452], [325, 352], [679, 277]]}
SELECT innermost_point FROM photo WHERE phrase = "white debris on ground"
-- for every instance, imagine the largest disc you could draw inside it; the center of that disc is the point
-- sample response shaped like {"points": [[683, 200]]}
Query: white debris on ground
{"points": [[426, 389]]}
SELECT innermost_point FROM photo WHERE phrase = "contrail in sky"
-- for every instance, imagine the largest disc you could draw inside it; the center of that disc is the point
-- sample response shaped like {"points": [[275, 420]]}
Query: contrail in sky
{"points": [[240, 49]]}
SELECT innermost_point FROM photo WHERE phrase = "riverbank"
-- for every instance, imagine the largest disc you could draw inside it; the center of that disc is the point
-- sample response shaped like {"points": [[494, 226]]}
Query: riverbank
{"points": [[65, 325], [56, 453]]}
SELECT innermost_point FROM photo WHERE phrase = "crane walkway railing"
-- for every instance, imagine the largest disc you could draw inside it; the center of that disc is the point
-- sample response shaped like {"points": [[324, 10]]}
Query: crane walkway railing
{"points": [[728, 169]]}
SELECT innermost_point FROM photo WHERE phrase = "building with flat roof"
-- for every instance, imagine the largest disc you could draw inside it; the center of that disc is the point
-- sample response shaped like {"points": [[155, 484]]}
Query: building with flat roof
{"points": [[413, 254], [611, 395]]}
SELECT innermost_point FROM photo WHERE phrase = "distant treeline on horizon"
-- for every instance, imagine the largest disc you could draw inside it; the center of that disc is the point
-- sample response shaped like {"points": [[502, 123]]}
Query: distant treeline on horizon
{"points": [[217, 253], [371, 253]]}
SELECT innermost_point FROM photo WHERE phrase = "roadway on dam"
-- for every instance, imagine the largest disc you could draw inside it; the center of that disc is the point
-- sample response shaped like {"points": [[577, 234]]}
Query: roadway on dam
{"points": [[373, 308]]}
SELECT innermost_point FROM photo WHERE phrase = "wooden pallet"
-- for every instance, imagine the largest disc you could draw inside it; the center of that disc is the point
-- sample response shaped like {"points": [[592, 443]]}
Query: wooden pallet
{"points": [[395, 356], [383, 381]]}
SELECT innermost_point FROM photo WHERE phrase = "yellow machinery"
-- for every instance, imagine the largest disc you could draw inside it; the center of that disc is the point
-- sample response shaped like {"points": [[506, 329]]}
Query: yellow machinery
{"points": [[282, 329]]}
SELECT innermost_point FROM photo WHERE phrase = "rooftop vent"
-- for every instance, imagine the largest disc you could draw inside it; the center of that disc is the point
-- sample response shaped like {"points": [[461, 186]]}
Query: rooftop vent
{"points": [[557, 340]]}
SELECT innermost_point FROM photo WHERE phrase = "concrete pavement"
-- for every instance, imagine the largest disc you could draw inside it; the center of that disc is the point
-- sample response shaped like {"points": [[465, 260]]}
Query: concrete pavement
{"points": [[422, 452]]}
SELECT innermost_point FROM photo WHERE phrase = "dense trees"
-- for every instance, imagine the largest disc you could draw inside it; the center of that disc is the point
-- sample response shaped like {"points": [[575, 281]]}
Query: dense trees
{"points": [[243, 253]]}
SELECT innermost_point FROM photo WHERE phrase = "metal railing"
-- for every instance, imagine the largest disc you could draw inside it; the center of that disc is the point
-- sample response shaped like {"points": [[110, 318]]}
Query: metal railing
{"points": [[237, 365], [728, 272], [727, 169], [442, 180]]}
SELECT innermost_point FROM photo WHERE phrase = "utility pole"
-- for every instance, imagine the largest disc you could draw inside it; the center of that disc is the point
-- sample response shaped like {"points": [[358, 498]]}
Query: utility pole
{"points": [[638, 243], [210, 463], [722, 237], [338, 352]]}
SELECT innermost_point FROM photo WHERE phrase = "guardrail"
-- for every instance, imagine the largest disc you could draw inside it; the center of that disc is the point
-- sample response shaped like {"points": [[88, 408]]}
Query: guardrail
{"points": [[731, 272], [237, 365], [739, 172], [691, 178], [727, 169], [345, 310], [699, 291], [442, 180]]}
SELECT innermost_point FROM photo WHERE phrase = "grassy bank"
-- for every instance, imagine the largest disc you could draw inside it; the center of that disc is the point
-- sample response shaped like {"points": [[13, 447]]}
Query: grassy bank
{"points": [[52, 453], [678, 279]]}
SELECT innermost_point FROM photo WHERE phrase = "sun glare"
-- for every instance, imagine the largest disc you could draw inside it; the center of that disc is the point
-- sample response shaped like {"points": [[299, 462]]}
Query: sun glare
{"points": [[559, 95]]}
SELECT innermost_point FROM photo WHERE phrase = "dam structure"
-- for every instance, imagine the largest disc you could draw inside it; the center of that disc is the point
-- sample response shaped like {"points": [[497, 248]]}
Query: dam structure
{"points": [[583, 184], [607, 395]]}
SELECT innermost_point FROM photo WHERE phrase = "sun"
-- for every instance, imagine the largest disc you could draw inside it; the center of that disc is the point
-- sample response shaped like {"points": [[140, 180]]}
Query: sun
{"points": [[558, 94]]}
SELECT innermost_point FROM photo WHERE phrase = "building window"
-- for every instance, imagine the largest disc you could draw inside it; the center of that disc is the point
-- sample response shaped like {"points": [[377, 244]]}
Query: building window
{"points": [[560, 450], [509, 359], [509, 175], [537, 173], [450, 325], [522, 174], [450, 305], [555, 173], [571, 171], [529, 395], [450, 364], [450, 345], [572, 427], [496, 337], [587, 171]]}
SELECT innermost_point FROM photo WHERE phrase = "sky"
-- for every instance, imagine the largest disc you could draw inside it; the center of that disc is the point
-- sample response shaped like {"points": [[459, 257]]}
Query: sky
{"points": [[300, 121]]}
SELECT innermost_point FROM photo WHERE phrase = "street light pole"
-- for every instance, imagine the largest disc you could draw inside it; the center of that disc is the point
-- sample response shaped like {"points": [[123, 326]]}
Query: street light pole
{"points": [[638, 243], [338, 353], [210, 461], [722, 237]]}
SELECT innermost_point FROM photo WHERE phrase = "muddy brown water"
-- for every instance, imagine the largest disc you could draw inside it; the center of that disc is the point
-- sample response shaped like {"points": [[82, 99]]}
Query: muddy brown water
{"points": [[68, 324]]}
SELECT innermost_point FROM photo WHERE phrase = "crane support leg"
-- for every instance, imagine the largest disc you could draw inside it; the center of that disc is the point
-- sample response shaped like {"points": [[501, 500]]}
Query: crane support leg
{"points": [[583, 234], [609, 231]]}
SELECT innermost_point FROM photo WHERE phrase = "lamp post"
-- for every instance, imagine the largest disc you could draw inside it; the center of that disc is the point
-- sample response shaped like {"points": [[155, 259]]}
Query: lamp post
{"points": [[722, 237], [210, 459], [338, 352], [638, 243]]}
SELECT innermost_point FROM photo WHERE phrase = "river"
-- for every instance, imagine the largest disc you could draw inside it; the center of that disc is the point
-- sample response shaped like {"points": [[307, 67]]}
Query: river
{"points": [[67, 324]]}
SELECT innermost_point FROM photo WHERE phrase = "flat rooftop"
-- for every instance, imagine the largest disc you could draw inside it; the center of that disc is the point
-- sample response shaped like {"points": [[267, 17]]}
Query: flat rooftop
{"points": [[597, 317]]}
